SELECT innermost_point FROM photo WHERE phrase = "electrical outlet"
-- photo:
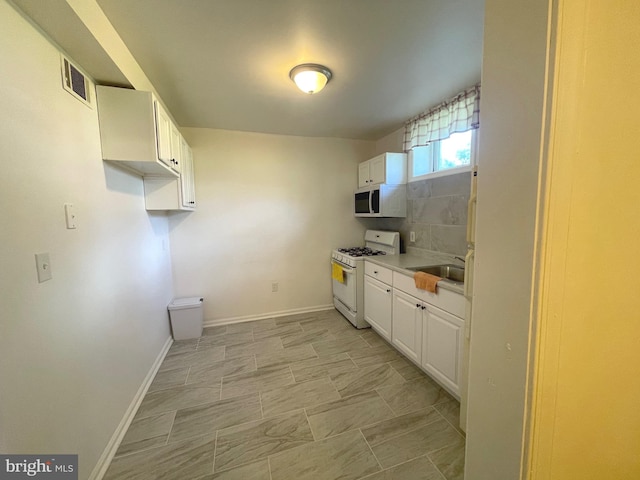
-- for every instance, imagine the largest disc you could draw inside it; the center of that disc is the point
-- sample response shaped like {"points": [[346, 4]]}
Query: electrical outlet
{"points": [[44, 267], [412, 236], [274, 287]]}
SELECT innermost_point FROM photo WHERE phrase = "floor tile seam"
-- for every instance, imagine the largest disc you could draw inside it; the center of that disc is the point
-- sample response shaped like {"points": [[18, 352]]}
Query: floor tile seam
{"points": [[133, 452], [457, 429], [258, 388], [189, 439], [297, 410], [313, 405], [261, 405], [168, 444], [306, 416], [428, 455], [371, 450], [389, 405], [254, 460], [424, 455], [406, 432], [239, 465], [227, 377], [175, 414], [344, 398], [190, 406], [269, 467], [215, 450]]}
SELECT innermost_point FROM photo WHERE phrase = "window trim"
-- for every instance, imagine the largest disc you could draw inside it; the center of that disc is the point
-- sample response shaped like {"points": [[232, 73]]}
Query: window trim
{"points": [[447, 171]]}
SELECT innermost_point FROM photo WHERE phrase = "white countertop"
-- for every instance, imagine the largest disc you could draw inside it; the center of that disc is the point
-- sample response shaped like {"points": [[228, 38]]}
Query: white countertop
{"points": [[400, 263]]}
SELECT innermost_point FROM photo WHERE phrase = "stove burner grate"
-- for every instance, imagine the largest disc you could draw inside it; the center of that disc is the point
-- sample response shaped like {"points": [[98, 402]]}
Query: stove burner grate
{"points": [[361, 252]]}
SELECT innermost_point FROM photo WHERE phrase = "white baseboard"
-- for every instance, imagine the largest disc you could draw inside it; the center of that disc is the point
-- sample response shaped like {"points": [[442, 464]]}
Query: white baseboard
{"points": [[112, 447], [262, 316]]}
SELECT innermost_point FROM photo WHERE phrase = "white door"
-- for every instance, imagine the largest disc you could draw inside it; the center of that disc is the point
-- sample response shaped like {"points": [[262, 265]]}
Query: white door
{"points": [[163, 134], [406, 329], [377, 170], [176, 148], [377, 306], [363, 174], [442, 347]]}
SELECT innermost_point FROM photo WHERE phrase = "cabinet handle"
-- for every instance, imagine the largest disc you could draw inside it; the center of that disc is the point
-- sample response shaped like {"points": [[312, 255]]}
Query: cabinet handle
{"points": [[375, 271], [424, 308], [417, 305], [388, 290]]}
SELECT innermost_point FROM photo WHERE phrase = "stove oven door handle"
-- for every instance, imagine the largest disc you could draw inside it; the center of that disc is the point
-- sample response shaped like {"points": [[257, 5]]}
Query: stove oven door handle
{"points": [[346, 268]]}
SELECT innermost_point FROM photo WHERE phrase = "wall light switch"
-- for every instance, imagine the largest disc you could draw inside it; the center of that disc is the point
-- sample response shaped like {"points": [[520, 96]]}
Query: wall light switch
{"points": [[70, 215], [412, 236], [43, 266]]}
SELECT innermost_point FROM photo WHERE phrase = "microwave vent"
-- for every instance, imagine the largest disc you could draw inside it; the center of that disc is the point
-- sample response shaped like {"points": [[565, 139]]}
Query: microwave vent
{"points": [[75, 82]]}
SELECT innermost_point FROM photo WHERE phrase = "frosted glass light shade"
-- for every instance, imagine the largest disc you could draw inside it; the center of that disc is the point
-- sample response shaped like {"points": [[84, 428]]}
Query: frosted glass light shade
{"points": [[310, 78]]}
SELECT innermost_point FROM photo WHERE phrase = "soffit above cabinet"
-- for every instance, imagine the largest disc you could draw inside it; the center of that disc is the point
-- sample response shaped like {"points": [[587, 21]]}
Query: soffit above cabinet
{"points": [[59, 22]]}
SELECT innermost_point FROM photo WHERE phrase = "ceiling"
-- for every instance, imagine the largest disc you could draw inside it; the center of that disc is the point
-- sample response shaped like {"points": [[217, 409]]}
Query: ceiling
{"points": [[225, 63]]}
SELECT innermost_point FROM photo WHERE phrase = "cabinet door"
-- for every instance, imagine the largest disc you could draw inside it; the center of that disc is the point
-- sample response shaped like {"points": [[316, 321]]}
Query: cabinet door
{"points": [[377, 170], [442, 347], [363, 174], [176, 148], [187, 177], [163, 134], [377, 306], [407, 325]]}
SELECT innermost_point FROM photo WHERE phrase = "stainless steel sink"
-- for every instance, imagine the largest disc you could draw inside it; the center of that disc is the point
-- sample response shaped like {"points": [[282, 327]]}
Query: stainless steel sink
{"points": [[449, 272]]}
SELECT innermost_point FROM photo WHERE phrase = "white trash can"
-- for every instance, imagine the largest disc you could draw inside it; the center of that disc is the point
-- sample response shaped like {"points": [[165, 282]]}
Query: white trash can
{"points": [[186, 317]]}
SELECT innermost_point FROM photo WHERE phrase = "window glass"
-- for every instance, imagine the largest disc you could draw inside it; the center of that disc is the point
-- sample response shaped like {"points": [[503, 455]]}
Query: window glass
{"points": [[422, 157], [436, 158], [454, 151]]}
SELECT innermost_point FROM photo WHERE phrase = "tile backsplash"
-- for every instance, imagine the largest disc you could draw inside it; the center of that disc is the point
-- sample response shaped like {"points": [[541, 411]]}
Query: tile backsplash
{"points": [[437, 213]]}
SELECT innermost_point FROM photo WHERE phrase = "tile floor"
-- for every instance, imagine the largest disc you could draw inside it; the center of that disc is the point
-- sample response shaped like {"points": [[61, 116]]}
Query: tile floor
{"points": [[298, 397]]}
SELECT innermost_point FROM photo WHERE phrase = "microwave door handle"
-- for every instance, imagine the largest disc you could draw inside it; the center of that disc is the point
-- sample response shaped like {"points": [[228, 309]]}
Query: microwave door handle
{"points": [[370, 201]]}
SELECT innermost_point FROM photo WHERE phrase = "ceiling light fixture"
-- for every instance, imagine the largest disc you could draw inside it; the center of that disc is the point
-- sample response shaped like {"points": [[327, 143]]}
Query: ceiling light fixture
{"points": [[310, 77]]}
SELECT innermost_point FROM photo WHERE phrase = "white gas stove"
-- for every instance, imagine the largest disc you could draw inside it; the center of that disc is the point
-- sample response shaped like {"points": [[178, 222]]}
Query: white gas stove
{"points": [[348, 295]]}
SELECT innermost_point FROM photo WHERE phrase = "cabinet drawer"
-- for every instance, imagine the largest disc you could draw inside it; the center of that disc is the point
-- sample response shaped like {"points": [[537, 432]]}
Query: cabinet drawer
{"points": [[445, 299], [376, 271]]}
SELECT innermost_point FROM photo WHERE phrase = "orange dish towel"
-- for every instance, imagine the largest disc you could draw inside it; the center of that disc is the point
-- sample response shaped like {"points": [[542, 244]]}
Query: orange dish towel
{"points": [[426, 281]]}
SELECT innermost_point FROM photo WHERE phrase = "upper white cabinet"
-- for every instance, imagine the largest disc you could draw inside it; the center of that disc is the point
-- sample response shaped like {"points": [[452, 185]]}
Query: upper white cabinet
{"points": [[187, 177], [388, 168], [176, 148], [135, 131], [164, 193]]}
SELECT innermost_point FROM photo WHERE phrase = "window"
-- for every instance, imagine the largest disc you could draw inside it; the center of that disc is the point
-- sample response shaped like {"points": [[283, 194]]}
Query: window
{"points": [[452, 153]]}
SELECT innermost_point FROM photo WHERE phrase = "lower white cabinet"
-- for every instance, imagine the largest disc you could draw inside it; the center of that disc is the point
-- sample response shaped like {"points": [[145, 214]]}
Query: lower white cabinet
{"points": [[377, 306], [442, 347], [407, 326], [426, 327]]}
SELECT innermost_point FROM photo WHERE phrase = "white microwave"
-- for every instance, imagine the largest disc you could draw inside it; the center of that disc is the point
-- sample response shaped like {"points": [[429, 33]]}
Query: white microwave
{"points": [[381, 201]]}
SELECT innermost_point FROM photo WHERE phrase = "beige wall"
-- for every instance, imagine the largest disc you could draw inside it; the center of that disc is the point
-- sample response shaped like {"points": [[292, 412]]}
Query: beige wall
{"points": [[511, 115], [270, 209], [586, 416], [75, 349]]}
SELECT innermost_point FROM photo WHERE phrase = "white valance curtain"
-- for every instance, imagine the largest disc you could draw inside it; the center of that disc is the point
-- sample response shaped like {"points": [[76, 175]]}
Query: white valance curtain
{"points": [[459, 114]]}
